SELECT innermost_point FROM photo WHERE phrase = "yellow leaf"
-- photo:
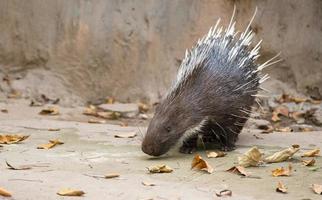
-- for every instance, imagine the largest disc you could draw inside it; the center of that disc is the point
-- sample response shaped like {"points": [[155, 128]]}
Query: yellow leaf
{"points": [[317, 188], [111, 175], [4, 193], [49, 111], [200, 164], [96, 121], [312, 153], [251, 158], [90, 110], [215, 154], [240, 170], [281, 188], [143, 108], [50, 145], [160, 169], [70, 192], [282, 171], [12, 139], [282, 155], [310, 162]]}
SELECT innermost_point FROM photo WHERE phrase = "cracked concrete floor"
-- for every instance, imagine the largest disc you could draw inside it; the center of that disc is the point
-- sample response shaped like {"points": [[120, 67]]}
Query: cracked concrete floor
{"points": [[92, 149]]}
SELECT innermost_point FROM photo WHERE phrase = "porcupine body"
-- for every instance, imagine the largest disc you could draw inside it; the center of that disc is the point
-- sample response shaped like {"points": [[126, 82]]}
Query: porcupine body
{"points": [[212, 96]]}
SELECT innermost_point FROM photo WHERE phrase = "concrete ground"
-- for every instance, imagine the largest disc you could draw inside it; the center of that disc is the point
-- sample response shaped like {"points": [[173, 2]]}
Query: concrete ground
{"points": [[91, 150]]}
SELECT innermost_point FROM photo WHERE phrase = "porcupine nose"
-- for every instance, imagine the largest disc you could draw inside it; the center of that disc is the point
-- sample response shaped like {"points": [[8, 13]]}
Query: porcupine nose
{"points": [[149, 149]]}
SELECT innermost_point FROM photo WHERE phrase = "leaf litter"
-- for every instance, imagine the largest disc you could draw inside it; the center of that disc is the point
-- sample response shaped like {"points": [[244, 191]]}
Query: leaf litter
{"points": [[200, 164], [51, 144], [12, 139]]}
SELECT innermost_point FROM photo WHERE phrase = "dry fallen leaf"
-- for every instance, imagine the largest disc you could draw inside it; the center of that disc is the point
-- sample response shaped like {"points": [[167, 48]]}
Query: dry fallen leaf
{"points": [[70, 192], [240, 170], [200, 164], [96, 121], [312, 153], [54, 129], [143, 108], [310, 162], [49, 111], [90, 110], [4, 193], [224, 193], [126, 135], [285, 129], [147, 183], [110, 100], [111, 175], [281, 188], [317, 188], [108, 115], [251, 158], [12, 139], [3, 110], [282, 171], [215, 154], [22, 167], [160, 169], [305, 129], [282, 155], [50, 145], [266, 128], [279, 111]]}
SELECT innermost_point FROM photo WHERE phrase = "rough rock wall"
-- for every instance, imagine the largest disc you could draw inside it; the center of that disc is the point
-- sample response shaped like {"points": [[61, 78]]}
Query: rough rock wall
{"points": [[131, 49]]}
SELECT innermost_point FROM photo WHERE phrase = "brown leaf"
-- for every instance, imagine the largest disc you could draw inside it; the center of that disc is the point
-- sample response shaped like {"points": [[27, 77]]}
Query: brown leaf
{"points": [[317, 188], [239, 170], [126, 135], [282, 171], [224, 193], [12, 139], [70, 192], [3, 110], [147, 183], [310, 162], [279, 111], [22, 167], [111, 175], [200, 164], [305, 129], [266, 128], [4, 193], [283, 155], [54, 129], [312, 153], [281, 188], [160, 169], [215, 154], [49, 111], [96, 121], [251, 158], [285, 129], [50, 145]]}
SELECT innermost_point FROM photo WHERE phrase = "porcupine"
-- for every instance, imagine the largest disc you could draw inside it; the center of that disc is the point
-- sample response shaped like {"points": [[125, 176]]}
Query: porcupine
{"points": [[212, 96]]}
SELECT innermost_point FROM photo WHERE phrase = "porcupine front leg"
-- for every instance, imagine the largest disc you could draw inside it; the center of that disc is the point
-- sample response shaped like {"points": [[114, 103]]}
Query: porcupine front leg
{"points": [[189, 145]]}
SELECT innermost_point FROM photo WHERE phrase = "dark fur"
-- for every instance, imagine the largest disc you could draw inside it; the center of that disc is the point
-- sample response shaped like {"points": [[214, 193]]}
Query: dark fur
{"points": [[207, 94]]}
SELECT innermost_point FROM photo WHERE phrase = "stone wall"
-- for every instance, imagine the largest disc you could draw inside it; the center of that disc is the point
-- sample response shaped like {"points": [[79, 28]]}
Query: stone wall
{"points": [[81, 50]]}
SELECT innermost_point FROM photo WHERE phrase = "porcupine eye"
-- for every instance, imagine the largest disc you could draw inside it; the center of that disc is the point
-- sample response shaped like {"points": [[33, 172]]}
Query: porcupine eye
{"points": [[168, 129]]}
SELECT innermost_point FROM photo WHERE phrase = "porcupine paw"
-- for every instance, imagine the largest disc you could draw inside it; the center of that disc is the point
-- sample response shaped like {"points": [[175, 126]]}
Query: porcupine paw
{"points": [[187, 149], [228, 147]]}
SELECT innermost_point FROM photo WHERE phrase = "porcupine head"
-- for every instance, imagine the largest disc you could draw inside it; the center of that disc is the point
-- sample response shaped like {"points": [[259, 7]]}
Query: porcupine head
{"points": [[212, 95]]}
